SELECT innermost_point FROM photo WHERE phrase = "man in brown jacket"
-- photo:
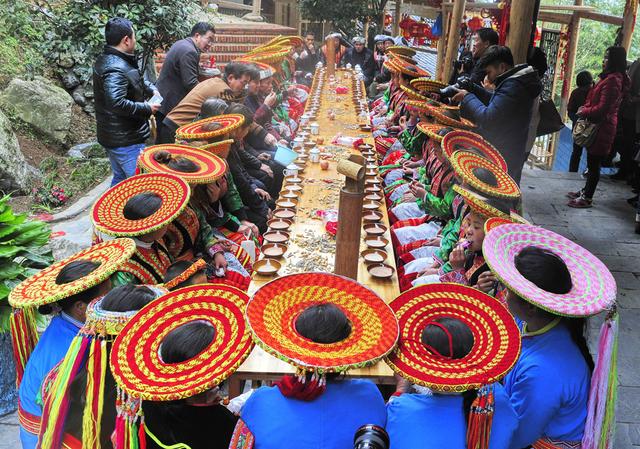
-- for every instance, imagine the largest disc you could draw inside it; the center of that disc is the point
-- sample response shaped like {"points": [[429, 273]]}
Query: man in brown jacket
{"points": [[230, 88]]}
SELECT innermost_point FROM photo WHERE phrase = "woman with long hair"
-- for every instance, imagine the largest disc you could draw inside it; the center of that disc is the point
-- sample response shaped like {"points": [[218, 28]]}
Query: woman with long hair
{"points": [[552, 286], [601, 107]]}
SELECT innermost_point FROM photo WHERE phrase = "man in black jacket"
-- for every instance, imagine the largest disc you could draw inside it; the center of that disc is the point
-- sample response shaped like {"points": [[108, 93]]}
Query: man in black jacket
{"points": [[362, 56], [120, 91], [181, 68], [482, 39]]}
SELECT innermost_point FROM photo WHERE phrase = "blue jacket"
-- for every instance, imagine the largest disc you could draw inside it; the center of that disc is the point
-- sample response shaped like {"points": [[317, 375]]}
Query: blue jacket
{"points": [[328, 422], [417, 421], [503, 118]]}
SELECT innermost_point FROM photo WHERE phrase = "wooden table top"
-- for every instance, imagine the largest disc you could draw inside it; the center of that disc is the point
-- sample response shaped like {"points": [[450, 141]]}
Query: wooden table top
{"points": [[310, 247]]}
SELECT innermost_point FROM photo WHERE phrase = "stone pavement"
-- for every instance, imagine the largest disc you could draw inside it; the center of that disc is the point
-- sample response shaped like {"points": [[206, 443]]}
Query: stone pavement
{"points": [[607, 230]]}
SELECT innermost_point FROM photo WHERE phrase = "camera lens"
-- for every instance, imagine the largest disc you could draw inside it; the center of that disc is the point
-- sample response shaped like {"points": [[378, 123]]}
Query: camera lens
{"points": [[371, 436]]}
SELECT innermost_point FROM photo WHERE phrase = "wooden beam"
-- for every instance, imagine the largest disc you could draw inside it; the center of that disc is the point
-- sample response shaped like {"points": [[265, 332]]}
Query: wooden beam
{"points": [[520, 25], [442, 45], [599, 17], [572, 50], [396, 18], [629, 23], [475, 6], [566, 8], [555, 17], [453, 40]]}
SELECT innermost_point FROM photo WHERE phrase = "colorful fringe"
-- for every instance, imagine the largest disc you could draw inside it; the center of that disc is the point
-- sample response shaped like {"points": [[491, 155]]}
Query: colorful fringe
{"points": [[599, 428], [96, 373], [24, 337], [481, 419], [130, 431], [56, 402]]}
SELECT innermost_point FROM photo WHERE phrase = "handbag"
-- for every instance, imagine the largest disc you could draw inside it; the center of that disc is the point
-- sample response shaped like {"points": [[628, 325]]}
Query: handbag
{"points": [[550, 120], [585, 132]]}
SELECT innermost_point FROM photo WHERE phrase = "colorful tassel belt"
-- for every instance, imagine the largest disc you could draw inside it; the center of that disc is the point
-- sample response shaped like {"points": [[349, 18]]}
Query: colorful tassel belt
{"points": [[29, 422], [69, 442]]}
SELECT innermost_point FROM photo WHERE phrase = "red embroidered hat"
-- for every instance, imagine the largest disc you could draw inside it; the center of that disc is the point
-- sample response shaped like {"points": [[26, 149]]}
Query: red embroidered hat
{"points": [[275, 307], [108, 211], [137, 366], [469, 141], [496, 338], [210, 128], [156, 159], [484, 176]]}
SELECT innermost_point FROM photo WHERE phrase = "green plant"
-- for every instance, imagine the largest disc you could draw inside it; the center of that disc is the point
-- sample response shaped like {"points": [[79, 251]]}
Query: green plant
{"points": [[347, 16], [22, 253], [78, 28]]}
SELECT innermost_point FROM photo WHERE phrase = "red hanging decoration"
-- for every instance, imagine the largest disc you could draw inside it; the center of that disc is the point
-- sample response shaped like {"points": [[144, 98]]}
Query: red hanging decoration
{"points": [[475, 24]]}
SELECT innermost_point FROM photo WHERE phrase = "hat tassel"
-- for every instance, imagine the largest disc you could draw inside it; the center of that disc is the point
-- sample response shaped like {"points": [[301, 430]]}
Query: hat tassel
{"points": [[599, 427], [481, 419], [56, 402], [96, 373], [128, 433], [24, 336]]}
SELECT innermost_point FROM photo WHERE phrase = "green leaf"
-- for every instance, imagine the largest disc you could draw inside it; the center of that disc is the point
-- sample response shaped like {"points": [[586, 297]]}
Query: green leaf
{"points": [[10, 270], [9, 250]]}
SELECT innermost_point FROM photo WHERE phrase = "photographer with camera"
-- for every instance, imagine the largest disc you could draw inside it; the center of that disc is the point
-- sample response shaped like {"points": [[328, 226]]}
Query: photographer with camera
{"points": [[504, 115], [467, 64]]}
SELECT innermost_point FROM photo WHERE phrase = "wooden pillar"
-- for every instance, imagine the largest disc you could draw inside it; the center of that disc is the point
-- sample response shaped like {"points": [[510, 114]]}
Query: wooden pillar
{"points": [[572, 50], [520, 24], [442, 44], [257, 8], [331, 57], [350, 217], [396, 20], [630, 12], [453, 39]]}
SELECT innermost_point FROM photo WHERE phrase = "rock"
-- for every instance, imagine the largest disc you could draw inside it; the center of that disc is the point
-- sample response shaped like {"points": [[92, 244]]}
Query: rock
{"points": [[70, 80], [88, 90], [40, 104], [15, 172], [78, 96], [90, 109], [89, 150]]}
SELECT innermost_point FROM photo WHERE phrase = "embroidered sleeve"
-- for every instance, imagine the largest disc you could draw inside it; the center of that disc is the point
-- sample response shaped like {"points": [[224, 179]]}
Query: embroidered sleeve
{"points": [[455, 276], [242, 437]]}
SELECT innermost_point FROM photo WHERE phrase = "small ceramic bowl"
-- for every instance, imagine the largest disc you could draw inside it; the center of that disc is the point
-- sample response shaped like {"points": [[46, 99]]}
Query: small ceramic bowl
{"points": [[371, 205], [276, 236], [381, 270], [374, 229], [274, 250], [267, 267], [287, 203], [372, 216], [376, 242], [279, 224], [284, 213], [374, 255]]}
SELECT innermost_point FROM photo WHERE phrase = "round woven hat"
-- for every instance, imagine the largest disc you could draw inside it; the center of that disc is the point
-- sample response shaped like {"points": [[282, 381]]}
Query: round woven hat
{"points": [[479, 204], [275, 307], [474, 143], [414, 95], [593, 286], [108, 211], [266, 71], [220, 149], [450, 115], [270, 56], [391, 65], [434, 130], [401, 50], [410, 69], [222, 124], [41, 288], [496, 338], [427, 85], [210, 166], [472, 168], [135, 358]]}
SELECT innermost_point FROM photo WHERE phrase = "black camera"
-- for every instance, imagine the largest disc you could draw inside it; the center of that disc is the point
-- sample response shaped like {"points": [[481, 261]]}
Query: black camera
{"points": [[464, 64], [463, 83], [371, 436]]}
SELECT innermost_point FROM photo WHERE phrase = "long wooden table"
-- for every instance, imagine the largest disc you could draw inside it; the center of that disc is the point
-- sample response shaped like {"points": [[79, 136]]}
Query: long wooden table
{"points": [[321, 192]]}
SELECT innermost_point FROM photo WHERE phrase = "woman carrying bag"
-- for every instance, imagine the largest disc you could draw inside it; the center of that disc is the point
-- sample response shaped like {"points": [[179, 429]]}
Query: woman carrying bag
{"points": [[601, 112]]}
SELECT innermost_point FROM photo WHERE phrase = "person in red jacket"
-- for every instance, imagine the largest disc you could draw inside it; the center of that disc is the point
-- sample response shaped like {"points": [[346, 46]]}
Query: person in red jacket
{"points": [[602, 107]]}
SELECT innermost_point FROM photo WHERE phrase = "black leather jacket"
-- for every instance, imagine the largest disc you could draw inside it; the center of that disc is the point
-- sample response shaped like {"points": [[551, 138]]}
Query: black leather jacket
{"points": [[119, 89]]}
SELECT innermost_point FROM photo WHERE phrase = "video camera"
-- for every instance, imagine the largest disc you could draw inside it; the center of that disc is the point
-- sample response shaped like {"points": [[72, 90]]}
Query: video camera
{"points": [[371, 436]]}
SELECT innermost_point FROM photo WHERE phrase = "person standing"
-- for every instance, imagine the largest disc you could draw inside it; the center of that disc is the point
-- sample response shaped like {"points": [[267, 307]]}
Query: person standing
{"points": [[503, 115], [362, 56], [630, 118], [120, 92], [180, 70], [309, 56], [584, 83], [481, 41], [602, 107]]}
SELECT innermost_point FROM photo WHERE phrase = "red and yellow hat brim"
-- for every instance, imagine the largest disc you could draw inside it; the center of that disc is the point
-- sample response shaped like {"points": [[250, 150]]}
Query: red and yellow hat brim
{"points": [[450, 115], [41, 288], [461, 140], [275, 307], [400, 50], [195, 131], [220, 149], [108, 211], [494, 222], [427, 85], [269, 56], [210, 166], [135, 357], [198, 265], [434, 130], [410, 69], [414, 95], [478, 204], [496, 338], [467, 165]]}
